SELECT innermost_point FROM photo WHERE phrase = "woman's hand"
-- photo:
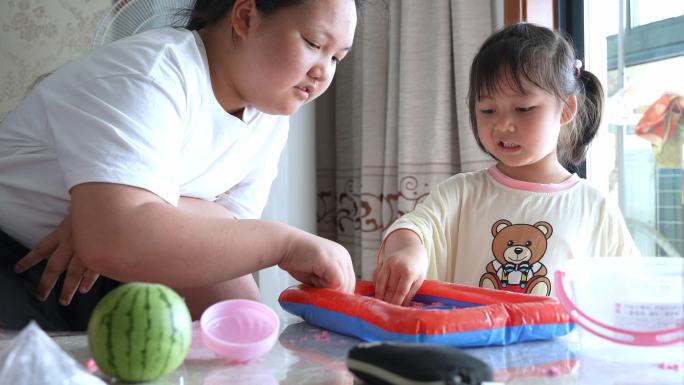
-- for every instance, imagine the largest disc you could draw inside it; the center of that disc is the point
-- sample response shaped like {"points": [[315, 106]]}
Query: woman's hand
{"points": [[402, 267], [58, 248], [319, 262]]}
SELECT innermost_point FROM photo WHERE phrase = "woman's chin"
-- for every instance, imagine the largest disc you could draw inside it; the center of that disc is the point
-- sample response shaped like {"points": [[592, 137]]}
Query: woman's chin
{"points": [[286, 110]]}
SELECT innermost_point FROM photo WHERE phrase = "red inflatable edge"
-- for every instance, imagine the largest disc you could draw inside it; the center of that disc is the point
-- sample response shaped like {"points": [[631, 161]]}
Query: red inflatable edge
{"points": [[490, 308]]}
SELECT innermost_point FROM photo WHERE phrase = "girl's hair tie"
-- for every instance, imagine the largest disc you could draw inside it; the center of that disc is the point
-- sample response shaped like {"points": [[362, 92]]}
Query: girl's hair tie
{"points": [[578, 67]]}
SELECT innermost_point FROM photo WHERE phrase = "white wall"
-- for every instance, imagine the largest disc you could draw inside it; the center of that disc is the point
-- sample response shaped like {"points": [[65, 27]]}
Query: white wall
{"points": [[293, 196]]}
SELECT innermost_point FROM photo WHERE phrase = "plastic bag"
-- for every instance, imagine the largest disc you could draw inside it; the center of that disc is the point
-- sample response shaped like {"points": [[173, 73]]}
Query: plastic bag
{"points": [[33, 358]]}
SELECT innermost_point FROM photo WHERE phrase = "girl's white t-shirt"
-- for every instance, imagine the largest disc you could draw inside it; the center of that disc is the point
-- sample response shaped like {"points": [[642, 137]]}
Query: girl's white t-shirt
{"points": [[475, 219], [140, 112]]}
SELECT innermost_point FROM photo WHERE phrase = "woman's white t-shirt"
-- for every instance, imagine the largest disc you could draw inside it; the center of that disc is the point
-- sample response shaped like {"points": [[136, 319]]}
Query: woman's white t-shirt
{"points": [[140, 112]]}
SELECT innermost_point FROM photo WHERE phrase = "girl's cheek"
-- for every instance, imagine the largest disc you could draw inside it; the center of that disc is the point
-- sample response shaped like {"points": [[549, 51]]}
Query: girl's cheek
{"points": [[483, 119]]}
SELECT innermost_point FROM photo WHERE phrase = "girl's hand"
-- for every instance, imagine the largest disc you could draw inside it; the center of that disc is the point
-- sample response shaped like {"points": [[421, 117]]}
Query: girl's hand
{"points": [[319, 262], [402, 267], [57, 247]]}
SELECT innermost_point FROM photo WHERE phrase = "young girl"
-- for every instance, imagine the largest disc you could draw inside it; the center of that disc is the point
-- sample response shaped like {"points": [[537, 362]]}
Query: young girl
{"points": [[151, 159], [532, 107]]}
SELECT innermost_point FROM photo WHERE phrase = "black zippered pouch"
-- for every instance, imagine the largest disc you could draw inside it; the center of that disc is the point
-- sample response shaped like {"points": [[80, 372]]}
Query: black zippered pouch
{"points": [[389, 363]]}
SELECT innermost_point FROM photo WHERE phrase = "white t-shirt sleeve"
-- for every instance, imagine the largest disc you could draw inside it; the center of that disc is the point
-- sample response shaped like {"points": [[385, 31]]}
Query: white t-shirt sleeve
{"points": [[430, 220], [119, 129], [248, 198]]}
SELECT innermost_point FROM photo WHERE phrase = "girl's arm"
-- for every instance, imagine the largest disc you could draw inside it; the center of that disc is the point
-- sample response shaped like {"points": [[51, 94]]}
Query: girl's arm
{"points": [[130, 234], [402, 267]]}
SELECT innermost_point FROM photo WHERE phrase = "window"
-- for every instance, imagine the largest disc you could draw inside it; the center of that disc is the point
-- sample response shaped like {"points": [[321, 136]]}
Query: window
{"points": [[639, 58], [642, 12]]}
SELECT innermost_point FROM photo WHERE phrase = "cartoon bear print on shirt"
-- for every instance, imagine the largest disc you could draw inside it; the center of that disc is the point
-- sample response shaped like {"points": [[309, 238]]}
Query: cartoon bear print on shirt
{"points": [[518, 250]]}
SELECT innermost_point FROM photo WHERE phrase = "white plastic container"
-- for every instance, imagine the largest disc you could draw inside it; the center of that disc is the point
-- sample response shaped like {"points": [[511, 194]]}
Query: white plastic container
{"points": [[628, 309]]}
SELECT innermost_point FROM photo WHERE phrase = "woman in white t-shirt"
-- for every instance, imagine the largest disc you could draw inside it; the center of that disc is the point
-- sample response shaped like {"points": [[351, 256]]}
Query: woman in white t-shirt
{"points": [[156, 154]]}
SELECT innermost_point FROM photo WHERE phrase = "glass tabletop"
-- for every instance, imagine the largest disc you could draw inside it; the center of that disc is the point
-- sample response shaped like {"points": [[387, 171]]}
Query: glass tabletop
{"points": [[305, 354]]}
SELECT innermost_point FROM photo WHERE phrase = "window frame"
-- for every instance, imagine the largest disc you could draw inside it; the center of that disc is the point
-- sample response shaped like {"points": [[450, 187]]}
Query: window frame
{"points": [[650, 42], [570, 20]]}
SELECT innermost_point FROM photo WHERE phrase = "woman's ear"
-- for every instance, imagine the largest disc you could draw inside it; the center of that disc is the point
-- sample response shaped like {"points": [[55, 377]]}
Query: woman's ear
{"points": [[242, 16], [569, 110]]}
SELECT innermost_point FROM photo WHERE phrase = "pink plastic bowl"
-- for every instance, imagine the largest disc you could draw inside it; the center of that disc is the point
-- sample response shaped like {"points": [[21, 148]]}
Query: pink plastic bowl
{"points": [[239, 330]]}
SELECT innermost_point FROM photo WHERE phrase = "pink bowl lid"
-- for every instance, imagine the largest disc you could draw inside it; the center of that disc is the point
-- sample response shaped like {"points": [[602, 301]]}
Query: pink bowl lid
{"points": [[239, 330]]}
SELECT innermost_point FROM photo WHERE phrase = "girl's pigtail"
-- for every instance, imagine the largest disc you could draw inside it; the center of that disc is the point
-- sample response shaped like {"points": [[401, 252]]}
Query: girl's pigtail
{"points": [[590, 100]]}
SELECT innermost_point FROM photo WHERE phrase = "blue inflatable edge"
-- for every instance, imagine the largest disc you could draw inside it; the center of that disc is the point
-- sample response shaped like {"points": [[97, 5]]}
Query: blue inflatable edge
{"points": [[357, 327]]}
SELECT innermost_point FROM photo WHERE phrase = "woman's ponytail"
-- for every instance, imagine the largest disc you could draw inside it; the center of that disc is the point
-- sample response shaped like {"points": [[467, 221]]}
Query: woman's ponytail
{"points": [[207, 12]]}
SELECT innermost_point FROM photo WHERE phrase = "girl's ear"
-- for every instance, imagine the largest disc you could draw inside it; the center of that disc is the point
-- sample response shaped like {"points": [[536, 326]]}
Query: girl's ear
{"points": [[242, 16], [569, 110]]}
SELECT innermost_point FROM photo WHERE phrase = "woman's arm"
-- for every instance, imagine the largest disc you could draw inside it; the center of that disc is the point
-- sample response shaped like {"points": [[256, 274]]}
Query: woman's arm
{"points": [[130, 234], [204, 208], [57, 248]]}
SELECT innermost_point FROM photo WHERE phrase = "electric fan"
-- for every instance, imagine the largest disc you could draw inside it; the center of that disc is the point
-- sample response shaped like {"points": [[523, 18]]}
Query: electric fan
{"points": [[128, 17]]}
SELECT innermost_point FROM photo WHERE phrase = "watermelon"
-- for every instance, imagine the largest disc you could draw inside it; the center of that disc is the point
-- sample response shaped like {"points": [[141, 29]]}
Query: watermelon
{"points": [[140, 332]]}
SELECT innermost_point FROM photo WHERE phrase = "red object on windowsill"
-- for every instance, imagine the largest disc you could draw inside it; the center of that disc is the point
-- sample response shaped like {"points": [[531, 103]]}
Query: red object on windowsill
{"points": [[660, 121]]}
